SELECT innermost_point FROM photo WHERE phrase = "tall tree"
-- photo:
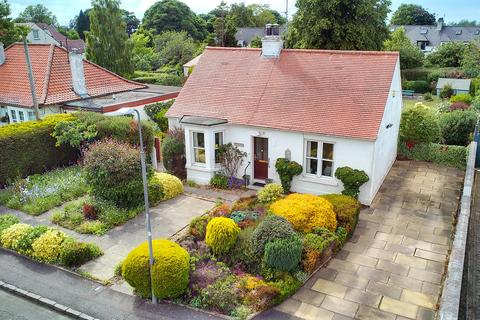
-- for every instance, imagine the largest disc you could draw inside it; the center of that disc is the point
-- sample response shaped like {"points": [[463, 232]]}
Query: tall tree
{"points": [[174, 15], [175, 48], [339, 24], [412, 14], [410, 55], [107, 41], [131, 21], [83, 23], [9, 33], [471, 60], [37, 13], [242, 15]]}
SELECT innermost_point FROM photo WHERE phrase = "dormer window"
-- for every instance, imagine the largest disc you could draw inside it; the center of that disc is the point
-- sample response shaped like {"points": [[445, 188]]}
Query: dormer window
{"points": [[459, 32], [36, 35], [423, 31]]}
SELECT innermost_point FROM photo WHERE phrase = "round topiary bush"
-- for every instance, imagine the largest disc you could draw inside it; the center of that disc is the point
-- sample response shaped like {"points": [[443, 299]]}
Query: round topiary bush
{"points": [[170, 272], [271, 192], [346, 208], [171, 185], [11, 237], [272, 228], [221, 234], [47, 247], [305, 212], [284, 254], [456, 126]]}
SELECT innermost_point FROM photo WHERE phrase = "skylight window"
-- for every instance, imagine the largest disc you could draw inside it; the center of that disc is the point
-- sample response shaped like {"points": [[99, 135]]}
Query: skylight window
{"points": [[423, 31], [459, 32]]}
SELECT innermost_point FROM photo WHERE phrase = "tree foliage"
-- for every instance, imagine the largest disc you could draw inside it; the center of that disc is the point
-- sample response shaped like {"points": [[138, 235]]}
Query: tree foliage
{"points": [[471, 60], [410, 55], [144, 55], [107, 42], [82, 23], [37, 13], [9, 33], [449, 54], [131, 21], [412, 14], [175, 48], [465, 23], [339, 24], [173, 15]]}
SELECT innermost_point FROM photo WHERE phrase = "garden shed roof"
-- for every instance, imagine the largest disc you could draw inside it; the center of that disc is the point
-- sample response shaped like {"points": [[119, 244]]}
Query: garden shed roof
{"points": [[456, 84], [340, 93], [53, 78]]}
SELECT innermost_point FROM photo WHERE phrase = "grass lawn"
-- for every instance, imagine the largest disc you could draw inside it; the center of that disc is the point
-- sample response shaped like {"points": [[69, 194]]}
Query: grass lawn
{"points": [[41, 192], [408, 102]]}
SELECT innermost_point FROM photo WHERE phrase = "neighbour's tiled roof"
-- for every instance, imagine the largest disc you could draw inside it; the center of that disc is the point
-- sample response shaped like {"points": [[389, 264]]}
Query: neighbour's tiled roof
{"points": [[436, 35], [77, 45], [52, 75], [340, 93]]}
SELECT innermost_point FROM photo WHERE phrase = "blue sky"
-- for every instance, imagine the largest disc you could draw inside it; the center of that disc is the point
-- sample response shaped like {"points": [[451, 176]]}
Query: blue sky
{"points": [[67, 9]]}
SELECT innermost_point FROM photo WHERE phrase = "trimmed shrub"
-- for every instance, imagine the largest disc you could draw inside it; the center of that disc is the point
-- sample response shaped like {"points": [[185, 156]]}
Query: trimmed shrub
{"points": [[272, 228], [170, 272], [222, 296], [287, 169], [19, 161], [270, 193], [198, 227], [11, 237], [418, 124], [347, 210], [47, 247], [284, 254], [113, 171], [74, 254], [25, 243], [164, 79], [244, 251], [446, 92], [453, 156], [171, 185], [219, 181], [6, 221], [221, 234], [173, 153], [462, 97], [305, 212], [456, 127], [352, 180], [419, 86]]}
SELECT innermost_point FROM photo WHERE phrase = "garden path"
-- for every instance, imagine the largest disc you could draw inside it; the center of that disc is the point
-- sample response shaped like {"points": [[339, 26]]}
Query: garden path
{"points": [[393, 267]]}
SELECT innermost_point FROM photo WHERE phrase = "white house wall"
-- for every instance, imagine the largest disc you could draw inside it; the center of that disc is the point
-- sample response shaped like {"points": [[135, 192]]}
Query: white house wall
{"points": [[387, 141]]}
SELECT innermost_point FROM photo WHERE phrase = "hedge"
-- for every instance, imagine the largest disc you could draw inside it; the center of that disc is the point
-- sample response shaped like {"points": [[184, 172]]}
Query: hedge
{"points": [[453, 156], [419, 86], [28, 148]]}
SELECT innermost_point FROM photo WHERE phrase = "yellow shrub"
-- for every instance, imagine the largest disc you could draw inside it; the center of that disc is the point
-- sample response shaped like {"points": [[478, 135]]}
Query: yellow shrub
{"points": [[48, 246], [11, 236], [171, 185], [221, 234], [306, 211]]}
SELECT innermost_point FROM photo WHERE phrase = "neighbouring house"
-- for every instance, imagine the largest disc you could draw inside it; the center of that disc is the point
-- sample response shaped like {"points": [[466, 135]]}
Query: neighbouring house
{"points": [[272, 104], [458, 85], [42, 33], [65, 82], [244, 36], [190, 65], [427, 38]]}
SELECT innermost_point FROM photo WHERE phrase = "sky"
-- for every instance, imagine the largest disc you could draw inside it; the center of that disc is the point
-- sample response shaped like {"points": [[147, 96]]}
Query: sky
{"points": [[65, 10]]}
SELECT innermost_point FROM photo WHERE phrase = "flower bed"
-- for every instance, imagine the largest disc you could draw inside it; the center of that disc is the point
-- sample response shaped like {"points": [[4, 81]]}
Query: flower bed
{"points": [[251, 256], [39, 193], [45, 244]]}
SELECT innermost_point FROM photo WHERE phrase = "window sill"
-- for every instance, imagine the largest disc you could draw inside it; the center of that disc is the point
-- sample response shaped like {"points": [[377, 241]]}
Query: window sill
{"points": [[319, 180], [201, 167]]}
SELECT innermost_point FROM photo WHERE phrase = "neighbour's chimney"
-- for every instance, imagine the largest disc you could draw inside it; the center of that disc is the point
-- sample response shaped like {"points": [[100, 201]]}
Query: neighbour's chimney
{"points": [[272, 43], [78, 75], [2, 54], [440, 24]]}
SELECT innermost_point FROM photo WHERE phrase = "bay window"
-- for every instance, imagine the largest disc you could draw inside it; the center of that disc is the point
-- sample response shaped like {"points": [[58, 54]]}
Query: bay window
{"points": [[199, 147], [218, 143], [319, 158]]}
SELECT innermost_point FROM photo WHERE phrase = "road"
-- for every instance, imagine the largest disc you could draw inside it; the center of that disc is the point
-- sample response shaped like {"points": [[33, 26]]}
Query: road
{"points": [[84, 295]]}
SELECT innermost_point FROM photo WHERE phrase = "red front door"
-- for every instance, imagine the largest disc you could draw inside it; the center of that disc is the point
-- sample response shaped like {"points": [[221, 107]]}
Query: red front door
{"points": [[260, 161]]}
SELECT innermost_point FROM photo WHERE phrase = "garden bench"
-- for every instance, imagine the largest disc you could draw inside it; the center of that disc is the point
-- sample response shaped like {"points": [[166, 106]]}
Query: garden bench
{"points": [[408, 93]]}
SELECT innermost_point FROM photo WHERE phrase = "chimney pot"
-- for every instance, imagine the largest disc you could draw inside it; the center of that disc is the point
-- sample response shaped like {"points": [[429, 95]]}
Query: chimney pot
{"points": [[2, 54], [272, 43]]}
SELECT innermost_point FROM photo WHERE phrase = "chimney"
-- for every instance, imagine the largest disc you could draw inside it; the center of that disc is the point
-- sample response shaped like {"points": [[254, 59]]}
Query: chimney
{"points": [[440, 24], [78, 75], [272, 43], [2, 54]]}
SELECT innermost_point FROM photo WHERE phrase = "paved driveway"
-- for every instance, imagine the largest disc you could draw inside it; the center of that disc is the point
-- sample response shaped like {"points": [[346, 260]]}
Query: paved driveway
{"points": [[393, 266]]}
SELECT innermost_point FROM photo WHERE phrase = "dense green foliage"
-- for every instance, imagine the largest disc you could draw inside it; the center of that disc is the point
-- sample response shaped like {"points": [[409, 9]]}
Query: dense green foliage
{"points": [[339, 24], [449, 54], [284, 254], [74, 254], [19, 161], [219, 181], [419, 86], [173, 153], [287, 169], [107, 41], [347, 209], [175, 48], [157, 111], [453, 156], [221, 234], [10, 33], [412, 14], [198, 227], [410, 55], [37, 13], [270, 193], [352, 180], [471, 60], [6, 221], [272, 228], [418, 125], [457, 126]]}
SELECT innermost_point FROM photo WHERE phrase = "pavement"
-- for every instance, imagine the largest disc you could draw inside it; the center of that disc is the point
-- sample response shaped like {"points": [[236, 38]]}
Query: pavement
{"points": [[393, 267], [82, 294]]}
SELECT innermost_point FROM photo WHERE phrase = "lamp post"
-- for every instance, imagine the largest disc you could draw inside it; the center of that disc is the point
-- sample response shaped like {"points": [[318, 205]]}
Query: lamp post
{"points": [[124, 112]]}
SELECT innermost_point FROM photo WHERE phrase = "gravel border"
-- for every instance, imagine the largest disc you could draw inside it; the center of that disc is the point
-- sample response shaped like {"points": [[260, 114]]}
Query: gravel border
{"points": [[51, 304]]}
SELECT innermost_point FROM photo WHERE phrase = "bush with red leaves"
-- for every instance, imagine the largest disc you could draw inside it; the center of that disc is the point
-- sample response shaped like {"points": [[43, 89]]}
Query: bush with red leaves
{"points": [[89, 212], [459, 105]]}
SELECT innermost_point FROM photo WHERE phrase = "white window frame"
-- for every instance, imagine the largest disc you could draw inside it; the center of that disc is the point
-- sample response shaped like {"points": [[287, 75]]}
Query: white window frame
{"points": [[215, 148], [14, 115], [194, 148], [319, 159], [36, 34]]}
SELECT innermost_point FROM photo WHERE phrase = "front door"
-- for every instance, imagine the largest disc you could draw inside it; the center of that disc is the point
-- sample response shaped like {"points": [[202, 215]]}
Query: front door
{"points": [[260, 161]]}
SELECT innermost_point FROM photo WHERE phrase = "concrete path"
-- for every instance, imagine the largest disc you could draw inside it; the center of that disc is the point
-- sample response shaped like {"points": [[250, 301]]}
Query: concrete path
{"points": [[393, 266]]}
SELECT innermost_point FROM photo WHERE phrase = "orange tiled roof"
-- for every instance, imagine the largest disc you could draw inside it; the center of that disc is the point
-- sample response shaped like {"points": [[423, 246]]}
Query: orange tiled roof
{"points": [[340, 93], [53, 79]]}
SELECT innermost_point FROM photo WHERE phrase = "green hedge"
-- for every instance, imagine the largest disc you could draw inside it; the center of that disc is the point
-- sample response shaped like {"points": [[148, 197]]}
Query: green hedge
{"points": [[419, 86], [28, 148], [453, 156], [164, 79]]}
